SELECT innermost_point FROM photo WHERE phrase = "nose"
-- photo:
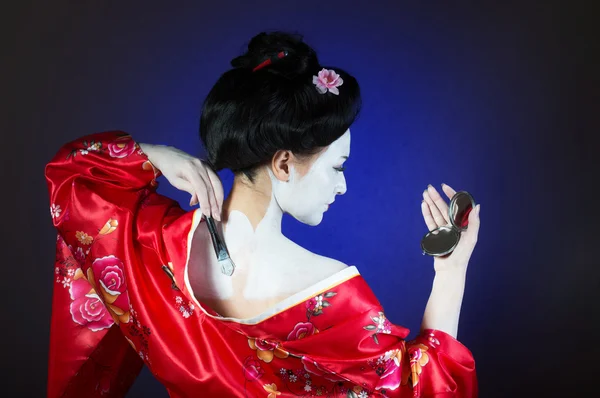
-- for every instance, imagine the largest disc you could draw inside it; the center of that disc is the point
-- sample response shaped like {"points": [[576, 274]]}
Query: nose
{"points": [[342, 188]]}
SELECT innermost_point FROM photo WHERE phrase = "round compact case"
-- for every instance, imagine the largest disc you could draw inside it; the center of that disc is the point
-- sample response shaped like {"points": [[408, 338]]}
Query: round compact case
{"points": [[442, 241]]}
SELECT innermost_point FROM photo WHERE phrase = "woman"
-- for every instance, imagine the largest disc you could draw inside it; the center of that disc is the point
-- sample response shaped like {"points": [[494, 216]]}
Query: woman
{"points": [[135, 270]]}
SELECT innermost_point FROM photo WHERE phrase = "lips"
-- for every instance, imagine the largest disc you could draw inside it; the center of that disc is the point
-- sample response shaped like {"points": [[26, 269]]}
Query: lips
{"points": [[329, 204]]}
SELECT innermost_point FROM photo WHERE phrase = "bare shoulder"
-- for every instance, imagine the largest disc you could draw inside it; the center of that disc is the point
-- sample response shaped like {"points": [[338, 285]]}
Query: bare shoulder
{"points": [[312, 270], [306, 257], [330, 265], [323, 267]]}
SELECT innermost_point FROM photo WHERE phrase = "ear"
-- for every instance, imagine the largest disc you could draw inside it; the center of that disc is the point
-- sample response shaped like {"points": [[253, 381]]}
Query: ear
{"points": [[281, 164]]}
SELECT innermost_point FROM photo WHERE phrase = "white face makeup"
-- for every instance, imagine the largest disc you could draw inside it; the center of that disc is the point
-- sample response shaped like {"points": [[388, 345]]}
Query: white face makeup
{"points": [[307, 197]]}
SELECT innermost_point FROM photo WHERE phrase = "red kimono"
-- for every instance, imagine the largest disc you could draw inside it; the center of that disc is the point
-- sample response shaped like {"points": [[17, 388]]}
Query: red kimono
{"points": [[122, 299]]}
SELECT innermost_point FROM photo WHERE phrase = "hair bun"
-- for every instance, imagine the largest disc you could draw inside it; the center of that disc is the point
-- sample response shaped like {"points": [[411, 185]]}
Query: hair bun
{"points": [[301, 58]]}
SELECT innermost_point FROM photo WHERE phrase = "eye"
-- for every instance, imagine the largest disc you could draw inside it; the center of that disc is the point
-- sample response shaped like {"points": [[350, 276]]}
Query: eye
{"points": [[339, 169]]}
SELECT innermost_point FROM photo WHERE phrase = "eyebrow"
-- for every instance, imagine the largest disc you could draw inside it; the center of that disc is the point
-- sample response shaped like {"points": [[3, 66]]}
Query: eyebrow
{"points": [[344, 157]]}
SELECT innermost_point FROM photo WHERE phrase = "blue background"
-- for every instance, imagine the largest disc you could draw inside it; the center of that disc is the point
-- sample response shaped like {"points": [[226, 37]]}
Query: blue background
{"points": [[499, 100]]}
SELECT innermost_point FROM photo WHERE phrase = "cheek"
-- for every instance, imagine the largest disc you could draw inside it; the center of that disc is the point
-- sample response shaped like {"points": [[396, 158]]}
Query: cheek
{"points": [[314, 189], [323, 184]]}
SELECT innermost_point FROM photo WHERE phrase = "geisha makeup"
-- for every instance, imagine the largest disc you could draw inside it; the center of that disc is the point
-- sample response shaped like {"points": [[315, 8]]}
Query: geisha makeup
{"points": [[268, 265], [307, 197]]}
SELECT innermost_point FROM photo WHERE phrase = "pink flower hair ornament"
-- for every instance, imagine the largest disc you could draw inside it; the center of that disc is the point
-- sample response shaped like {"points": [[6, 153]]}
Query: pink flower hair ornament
{"points": [[328, 80]]}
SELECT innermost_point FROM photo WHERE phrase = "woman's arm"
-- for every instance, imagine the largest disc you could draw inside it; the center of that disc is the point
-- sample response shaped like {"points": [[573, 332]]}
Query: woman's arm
{"points": [[188, 174], [443, 307], [113, 230]]}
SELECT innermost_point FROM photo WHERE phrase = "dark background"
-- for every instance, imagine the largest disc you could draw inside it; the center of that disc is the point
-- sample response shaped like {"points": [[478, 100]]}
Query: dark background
{"points": [[499, 99]]}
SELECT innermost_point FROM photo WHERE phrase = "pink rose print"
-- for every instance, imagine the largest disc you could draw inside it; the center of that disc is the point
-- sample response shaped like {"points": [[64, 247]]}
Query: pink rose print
{"points": [[252, 369], [328, 80], [266, 351], [389, 368], [121, 147], [108, 277], [86, 308], [312, 367], [302, 330]]}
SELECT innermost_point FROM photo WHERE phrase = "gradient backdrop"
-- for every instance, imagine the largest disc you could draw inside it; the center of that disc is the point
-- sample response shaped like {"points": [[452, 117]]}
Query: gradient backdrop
{"points": [[498, 99]]}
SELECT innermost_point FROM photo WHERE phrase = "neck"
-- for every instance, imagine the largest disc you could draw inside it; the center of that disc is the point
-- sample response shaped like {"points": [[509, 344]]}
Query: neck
{"points": [[256, 202]]}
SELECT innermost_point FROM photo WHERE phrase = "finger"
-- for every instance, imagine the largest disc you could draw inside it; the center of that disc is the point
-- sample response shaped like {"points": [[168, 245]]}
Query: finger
{"points": [[185, 186], [448, 191], [217, 186], [439, 202], [435, 212], [469, 237], [195, 173], [429, 221], [210, 196], [201, 188], [216, 199], [472, 231]]}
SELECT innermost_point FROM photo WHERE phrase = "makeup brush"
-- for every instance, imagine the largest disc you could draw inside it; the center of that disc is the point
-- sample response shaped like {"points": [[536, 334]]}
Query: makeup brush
{"points": [[227, 265]]}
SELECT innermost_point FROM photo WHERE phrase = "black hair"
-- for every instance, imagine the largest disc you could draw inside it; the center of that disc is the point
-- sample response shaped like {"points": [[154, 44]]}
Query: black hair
{"points": [[249, 115]]}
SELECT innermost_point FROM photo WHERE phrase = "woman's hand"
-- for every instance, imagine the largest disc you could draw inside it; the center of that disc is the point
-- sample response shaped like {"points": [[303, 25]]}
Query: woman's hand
{"points": [[435, 214], [188, 174]]}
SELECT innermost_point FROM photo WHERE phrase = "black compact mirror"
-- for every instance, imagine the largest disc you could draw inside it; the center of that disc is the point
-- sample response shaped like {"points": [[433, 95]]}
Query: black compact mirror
{"points": [[442, 241]]}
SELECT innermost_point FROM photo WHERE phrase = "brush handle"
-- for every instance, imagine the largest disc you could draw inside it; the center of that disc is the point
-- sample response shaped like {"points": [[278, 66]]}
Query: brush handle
{"points": [[217, 243], [221, 252]]}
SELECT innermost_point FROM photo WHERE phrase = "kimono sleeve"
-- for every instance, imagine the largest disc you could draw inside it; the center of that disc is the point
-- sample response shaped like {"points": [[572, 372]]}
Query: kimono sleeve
{"points": [[97, 186], [433, 364], [438, 365], [358, 344]]}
